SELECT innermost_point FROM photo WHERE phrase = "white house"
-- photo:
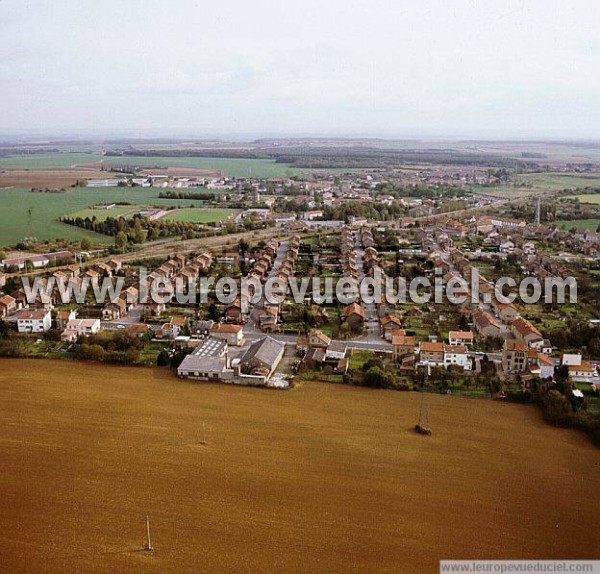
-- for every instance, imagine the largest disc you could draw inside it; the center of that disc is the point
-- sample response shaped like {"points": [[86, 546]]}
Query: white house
{"points": [[37, 321], [456, 355], [460, 337], [310, 215], [546, 366], [571, 359], [583, 373], [80, 327], [231, 334]]}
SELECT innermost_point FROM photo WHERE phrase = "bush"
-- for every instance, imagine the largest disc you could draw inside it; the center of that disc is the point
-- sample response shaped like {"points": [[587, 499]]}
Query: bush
{"points": [[87, 352], [9, 349], [51, 335], [378, 378], [121, 357], [163, 359], [557, 409], [519, 396]]}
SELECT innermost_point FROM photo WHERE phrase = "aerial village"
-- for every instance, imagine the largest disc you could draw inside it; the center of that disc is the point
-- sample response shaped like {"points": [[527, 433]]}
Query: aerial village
{"points": [[328, 228]]}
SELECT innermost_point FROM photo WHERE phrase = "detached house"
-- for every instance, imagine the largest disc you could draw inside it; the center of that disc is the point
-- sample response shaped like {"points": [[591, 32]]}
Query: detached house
{"points": [[116, 309], [390, 324], [585, 372], [402, 346], [80, 327], [485, 325], [317, 339], [460, 338], [8, 305], [63, 317], [432, 353], [456, 355], [506, 311], [233, 312], [231, 334], [514, 356], [37, 321], [354, 315], [522, 329]]}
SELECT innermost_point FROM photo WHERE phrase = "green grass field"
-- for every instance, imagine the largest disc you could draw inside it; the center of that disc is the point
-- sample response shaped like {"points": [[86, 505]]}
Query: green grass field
{"points": [[198, 215], [231, 167], [591, 224], [102, 214], [592, 198], [558, 181], [26, 214], [48, 160]]}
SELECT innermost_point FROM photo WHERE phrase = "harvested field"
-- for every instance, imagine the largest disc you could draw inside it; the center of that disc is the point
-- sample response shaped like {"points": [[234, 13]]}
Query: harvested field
{"points": [[323, 478], [53, 178], [183, 172]]}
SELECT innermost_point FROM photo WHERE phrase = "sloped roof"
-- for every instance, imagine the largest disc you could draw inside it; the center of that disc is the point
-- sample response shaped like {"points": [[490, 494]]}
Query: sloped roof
{"points": [[265, 350]]}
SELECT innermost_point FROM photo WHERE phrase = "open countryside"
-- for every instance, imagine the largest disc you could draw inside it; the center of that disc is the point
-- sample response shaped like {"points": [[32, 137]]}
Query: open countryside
{"points": [[330, 477], [557, 181], [593, 198], [198, 215], [231, 167], [27, 214], [590, 224]]}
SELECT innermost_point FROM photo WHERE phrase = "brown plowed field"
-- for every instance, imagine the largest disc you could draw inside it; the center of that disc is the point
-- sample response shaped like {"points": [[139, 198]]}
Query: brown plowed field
{"points": [[322, 478], [53, 178]]}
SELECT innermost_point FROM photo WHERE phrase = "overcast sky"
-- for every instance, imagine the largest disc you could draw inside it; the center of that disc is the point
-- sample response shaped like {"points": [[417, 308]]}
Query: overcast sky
{"points": [[395, 68]]}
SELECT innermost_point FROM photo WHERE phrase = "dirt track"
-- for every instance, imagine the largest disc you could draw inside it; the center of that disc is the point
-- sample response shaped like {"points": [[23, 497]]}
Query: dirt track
{"points": [[322, 478]]}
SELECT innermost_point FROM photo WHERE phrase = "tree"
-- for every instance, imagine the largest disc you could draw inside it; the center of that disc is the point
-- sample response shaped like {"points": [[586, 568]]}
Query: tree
{"points": [[377, 377], [121, 240], [344, 330], [3, 330], [85, 244], [163, 359]]}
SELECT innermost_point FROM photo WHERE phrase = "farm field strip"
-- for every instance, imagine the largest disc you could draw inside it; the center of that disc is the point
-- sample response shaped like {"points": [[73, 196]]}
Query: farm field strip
{"points": [[197, 215], [27, 214], [592, 198], [331, 475], [591, 224], [260, 168]]}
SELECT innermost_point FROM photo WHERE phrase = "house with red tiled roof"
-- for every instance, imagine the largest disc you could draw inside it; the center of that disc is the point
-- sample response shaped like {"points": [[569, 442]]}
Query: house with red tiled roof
{"points": [[485, 325], [515, 354], [431, 353], [402, 346], [354, 315], [8, 305], [460, 337], [390, 324], [524, 330]]}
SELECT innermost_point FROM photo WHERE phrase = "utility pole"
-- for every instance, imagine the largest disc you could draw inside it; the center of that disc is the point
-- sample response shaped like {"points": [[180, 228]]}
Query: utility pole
{"points": [[149, 547]]}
